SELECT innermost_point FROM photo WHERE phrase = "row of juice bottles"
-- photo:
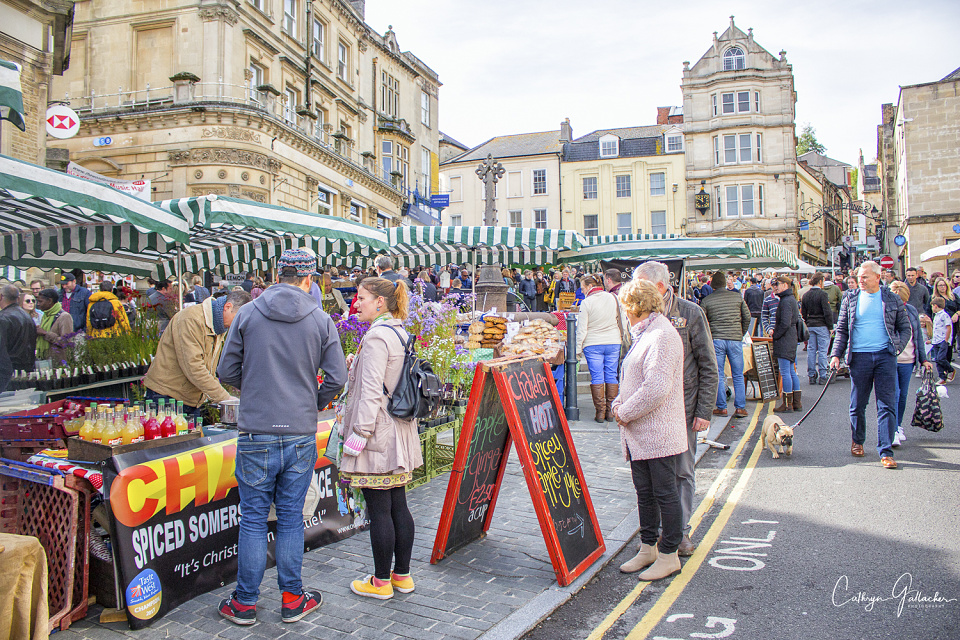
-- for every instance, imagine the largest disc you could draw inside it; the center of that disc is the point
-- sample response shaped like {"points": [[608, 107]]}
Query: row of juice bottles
{"points": [[118, 425]]}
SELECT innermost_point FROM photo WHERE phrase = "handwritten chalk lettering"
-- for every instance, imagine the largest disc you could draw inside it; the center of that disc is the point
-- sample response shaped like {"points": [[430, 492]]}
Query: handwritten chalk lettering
{"points": [[541, 418], [558, 484], [483, 468], [488, 430], [528, 385], [478, 513]]}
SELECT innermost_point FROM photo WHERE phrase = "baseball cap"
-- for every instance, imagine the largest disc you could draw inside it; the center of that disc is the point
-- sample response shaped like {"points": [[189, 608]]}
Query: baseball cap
{"points": [[303, 262], [67, 277]]}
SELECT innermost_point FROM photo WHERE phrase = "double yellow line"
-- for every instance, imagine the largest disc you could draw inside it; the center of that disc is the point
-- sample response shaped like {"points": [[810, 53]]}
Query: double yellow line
{"points": [[677, 585]]}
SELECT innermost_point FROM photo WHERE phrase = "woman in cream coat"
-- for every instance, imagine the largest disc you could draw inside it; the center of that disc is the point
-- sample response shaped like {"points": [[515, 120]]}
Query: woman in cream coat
{"points": [[380, 451]]}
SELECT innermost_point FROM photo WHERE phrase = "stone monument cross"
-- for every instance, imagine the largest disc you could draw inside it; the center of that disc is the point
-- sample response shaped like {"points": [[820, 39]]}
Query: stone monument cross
{"points": [[490, 171]]}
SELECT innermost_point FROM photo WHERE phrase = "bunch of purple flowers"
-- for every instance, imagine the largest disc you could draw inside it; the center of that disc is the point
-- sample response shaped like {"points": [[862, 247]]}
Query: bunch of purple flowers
{"points": [[351, 330]]}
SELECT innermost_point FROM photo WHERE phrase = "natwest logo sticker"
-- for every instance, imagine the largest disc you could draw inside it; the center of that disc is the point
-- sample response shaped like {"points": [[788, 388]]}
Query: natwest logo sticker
{"points": [[62, 121]]}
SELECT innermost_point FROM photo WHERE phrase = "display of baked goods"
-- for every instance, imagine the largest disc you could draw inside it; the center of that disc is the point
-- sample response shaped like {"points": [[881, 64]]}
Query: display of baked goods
{"points": [[537, 338]]}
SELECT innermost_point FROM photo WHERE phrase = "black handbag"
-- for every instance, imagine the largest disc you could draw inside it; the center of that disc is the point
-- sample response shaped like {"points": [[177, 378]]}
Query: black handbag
{"points": [[928, 414], [417, 393]]}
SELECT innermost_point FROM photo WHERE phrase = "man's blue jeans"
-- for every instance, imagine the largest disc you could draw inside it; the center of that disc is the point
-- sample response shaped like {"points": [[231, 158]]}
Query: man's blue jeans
{"points": [[275, 469], [602, 361], [904, 373], [877, 371], [817, 347], [732, 349]]}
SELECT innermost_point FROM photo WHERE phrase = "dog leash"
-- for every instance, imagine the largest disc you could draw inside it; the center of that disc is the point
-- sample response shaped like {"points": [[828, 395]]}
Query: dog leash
{"points": [[833, 374]]}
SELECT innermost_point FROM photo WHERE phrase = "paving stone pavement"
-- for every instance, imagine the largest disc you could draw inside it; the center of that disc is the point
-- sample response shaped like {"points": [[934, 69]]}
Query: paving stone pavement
{"points": [[495, 587]]}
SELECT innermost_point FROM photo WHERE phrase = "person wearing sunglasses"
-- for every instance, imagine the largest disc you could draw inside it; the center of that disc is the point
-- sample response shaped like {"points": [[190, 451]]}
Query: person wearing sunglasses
{"points": [[28, 302]]}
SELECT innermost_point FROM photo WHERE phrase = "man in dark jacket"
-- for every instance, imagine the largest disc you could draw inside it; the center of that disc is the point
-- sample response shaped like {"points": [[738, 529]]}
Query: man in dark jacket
{"points": [[700, 381], [385, 270], [872, 330], [729, 319], [612, 279], [919, 293], [528, 289], [19, 331], [753, 296], [74, 298], [278, 343], [817, 313]]}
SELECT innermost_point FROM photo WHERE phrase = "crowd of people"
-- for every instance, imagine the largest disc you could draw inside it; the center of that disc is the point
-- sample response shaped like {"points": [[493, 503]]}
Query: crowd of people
{"points": [[656, 361]]}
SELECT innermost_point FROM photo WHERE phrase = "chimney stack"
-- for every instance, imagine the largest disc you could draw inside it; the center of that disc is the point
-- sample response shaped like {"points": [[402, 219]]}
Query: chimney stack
{"points": [[566, 131]]}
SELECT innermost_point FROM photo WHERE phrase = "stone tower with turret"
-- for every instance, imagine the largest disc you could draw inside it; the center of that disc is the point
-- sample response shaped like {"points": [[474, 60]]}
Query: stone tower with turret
{"points": [[738, 111]]}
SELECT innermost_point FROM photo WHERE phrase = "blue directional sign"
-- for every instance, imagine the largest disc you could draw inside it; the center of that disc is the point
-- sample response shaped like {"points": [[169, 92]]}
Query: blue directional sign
{"points": [[804, 225], [956, 228], [438, 201], [901, 240]]}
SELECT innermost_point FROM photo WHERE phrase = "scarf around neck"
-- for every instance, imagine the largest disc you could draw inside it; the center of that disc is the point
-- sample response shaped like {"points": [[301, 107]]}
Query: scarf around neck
{"points": [[46, 322]]}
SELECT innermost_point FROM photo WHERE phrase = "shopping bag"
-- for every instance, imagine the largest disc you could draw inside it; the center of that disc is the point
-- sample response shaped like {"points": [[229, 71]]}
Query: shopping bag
{"points": [[927, 414]]}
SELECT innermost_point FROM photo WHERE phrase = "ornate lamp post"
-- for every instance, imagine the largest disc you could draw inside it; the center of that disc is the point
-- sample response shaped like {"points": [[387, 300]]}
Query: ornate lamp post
{"points": [[490, 289]]}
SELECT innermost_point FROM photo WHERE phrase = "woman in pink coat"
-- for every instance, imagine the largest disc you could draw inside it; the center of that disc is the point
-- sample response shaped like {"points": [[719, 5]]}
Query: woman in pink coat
{"points": [[380, 451], [653, 430]]}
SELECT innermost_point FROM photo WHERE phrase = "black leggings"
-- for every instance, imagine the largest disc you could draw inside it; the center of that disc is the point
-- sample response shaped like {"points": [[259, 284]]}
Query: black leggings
{"points": [[391, 530]]}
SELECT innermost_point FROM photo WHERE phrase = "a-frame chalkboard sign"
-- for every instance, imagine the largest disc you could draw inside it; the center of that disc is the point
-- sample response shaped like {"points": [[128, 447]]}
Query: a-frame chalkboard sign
{"points": [[516, 401]]}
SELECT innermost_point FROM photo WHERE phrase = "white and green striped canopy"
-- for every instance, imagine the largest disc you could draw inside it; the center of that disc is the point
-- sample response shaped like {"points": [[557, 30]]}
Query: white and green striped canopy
{"points": [[697, 253], [414, 246], [50, 219], [228, 234]]}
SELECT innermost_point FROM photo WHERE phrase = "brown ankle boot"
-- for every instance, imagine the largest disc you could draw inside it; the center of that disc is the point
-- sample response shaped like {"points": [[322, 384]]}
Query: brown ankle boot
{"points": [[613, 390], [796, 401], [787, 405], [599, 401]]}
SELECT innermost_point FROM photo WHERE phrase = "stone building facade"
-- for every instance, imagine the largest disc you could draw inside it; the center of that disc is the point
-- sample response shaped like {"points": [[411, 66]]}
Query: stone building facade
{"points": [[36, 35], [738, 113], [926, 168], [625, 181], [528, 194], [295, 103]]}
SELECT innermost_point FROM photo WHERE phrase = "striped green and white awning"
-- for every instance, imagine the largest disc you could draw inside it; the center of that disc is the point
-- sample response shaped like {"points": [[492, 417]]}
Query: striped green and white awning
{"points": [[597, 240], [50, 219], [230, 235], [11, 94], [12, 274], [697, 253], [413, 246]]}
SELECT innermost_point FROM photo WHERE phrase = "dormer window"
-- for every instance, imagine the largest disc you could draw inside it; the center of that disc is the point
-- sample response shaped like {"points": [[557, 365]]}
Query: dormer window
{"points": [[733, 59], [609, 146], [673, 140]]}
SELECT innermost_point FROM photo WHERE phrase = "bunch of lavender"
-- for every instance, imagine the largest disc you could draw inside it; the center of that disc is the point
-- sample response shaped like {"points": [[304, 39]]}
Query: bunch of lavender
{"points": [[351, 331]]}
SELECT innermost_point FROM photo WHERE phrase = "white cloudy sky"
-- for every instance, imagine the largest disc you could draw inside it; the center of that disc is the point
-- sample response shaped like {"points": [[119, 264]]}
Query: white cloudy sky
{"points": [[523, 65]]}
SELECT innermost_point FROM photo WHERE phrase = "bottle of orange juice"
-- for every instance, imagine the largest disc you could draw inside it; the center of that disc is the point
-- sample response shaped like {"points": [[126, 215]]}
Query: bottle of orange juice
{"points": [[112, 432], [96, 436], [86, 429], [131, 429], [180, 420]]}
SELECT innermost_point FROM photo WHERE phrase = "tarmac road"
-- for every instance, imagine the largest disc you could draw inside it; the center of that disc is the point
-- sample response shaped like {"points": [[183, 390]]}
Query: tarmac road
{"points": [[816, 545]]}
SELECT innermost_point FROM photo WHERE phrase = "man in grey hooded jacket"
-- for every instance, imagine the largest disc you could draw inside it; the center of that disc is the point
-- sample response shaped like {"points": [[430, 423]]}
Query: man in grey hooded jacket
{"points": [[274, 350]]}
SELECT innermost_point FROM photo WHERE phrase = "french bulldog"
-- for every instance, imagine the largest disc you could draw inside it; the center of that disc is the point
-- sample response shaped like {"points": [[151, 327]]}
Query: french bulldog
{"points": [[776, 433]]}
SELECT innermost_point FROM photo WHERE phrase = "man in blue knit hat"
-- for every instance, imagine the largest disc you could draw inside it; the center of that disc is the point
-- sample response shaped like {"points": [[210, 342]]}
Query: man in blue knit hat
{"points": [[185, 365], [275, 348]]}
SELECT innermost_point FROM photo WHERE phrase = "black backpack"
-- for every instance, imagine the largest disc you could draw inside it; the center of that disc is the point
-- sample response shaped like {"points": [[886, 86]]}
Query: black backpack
{"points": [[101, 315], [417, 393]]}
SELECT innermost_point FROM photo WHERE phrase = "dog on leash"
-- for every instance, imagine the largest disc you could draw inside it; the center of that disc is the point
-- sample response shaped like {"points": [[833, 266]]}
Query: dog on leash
{"points": [[776, 433]]}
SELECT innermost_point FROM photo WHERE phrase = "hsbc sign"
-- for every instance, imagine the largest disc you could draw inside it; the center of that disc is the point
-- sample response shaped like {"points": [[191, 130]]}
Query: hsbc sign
{"points": [[62, 121]]}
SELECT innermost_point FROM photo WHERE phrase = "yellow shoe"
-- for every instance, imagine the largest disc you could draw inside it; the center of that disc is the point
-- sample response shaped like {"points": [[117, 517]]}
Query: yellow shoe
{"points": [[366, 588], [403, 584]]}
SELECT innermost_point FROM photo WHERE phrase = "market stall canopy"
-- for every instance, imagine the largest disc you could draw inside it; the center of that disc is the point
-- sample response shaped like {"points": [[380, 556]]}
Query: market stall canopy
{"points": [[231, 234], [697, 253], [949, 250], [424, 246], [802, 267], [50, 219]]}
